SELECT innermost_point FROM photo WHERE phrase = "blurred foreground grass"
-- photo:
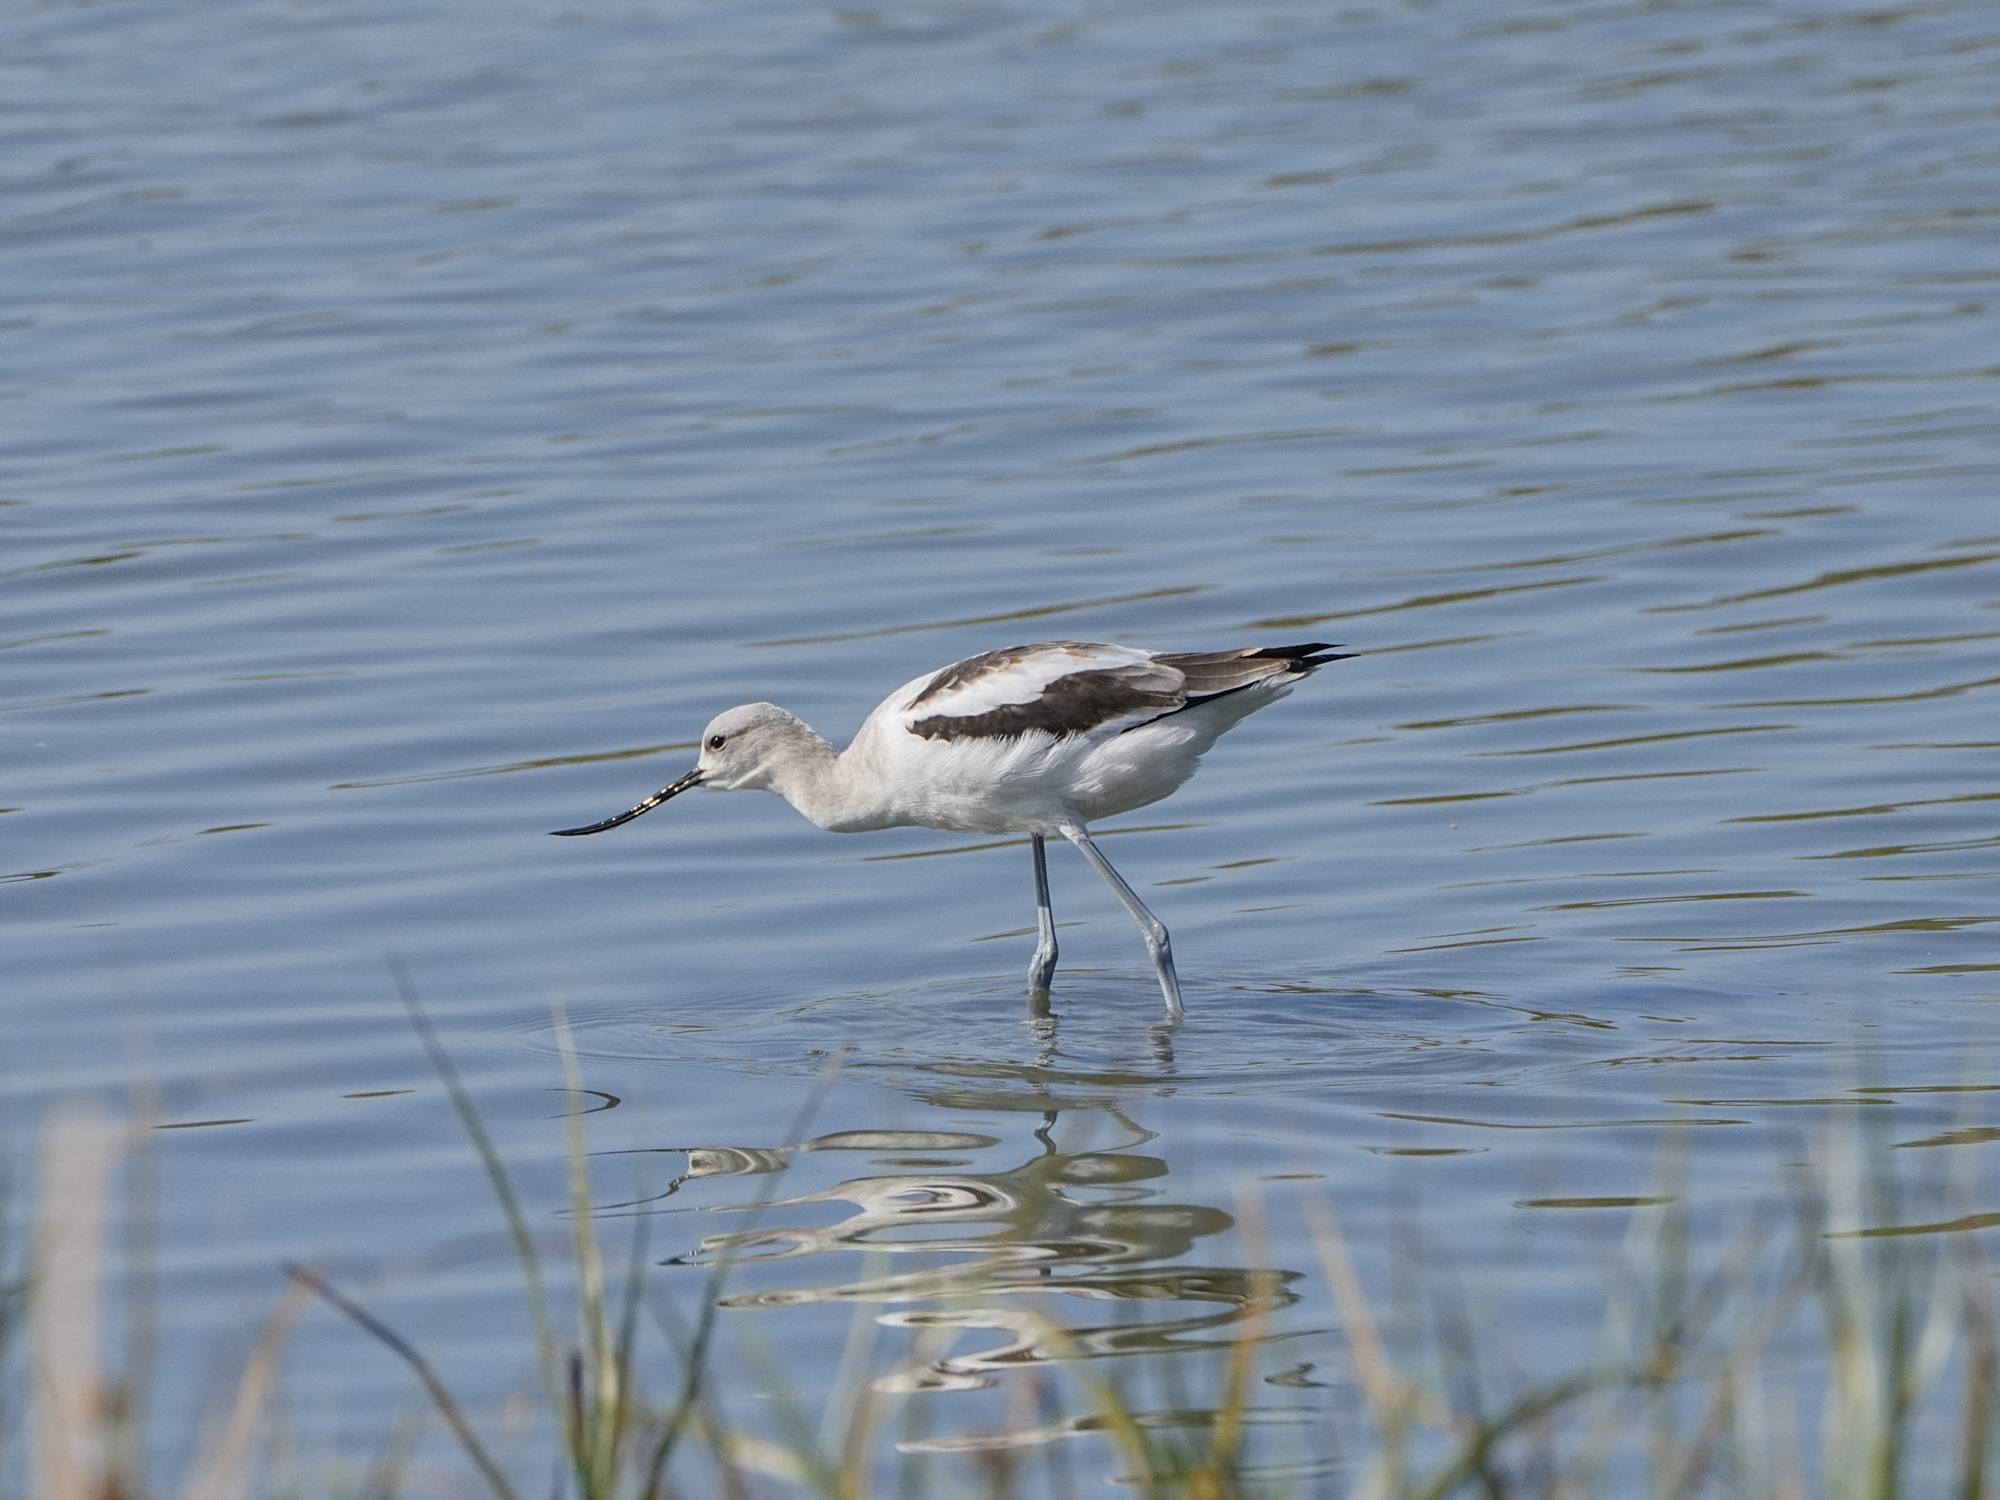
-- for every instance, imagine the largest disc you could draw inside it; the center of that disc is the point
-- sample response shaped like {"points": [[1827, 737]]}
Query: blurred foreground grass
{"points": [[1814, 1357]]}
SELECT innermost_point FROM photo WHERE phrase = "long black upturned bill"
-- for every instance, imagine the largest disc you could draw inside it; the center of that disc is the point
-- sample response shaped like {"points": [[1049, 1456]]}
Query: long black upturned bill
{"points": [[693, 778]]}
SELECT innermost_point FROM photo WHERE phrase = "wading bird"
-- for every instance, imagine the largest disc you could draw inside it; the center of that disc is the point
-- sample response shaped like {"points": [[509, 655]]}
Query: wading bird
{"points": [[1041, 740]]}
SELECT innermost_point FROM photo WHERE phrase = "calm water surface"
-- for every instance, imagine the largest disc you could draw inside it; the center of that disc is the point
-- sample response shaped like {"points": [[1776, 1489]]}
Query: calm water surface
{"points": [[416, 424]]}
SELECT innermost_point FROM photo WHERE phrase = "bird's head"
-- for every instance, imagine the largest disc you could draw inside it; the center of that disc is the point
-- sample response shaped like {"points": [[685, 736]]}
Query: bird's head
{"points": [[742, 748]]}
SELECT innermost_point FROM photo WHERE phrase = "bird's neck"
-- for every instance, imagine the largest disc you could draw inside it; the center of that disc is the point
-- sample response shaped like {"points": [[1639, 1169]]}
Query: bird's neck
{"points": [[831, 788]]}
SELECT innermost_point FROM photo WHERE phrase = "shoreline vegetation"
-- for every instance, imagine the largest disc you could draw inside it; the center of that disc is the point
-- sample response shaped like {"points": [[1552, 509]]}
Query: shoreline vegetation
{"points": [[1832, 1350]]}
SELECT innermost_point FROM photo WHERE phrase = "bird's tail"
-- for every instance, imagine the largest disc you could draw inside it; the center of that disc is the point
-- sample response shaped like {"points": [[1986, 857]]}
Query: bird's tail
{"points": [[1301, 658], [1210, 674]]}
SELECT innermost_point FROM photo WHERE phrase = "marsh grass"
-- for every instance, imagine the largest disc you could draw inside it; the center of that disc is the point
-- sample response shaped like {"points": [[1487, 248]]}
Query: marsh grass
{"points": [[72, 1424], [1838, 1348]]}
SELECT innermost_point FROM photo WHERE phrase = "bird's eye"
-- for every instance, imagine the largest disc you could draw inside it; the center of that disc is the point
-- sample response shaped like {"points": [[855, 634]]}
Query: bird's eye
{"points": [[715, 741]]}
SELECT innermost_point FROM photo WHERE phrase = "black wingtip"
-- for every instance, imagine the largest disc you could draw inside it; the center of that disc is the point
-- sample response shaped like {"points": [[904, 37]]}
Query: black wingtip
{"points": [[1307, 655]]}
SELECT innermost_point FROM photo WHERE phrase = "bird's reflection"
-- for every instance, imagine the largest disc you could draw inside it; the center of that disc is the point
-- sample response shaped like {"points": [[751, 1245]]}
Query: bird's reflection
{"points": [[1030, 1248]]}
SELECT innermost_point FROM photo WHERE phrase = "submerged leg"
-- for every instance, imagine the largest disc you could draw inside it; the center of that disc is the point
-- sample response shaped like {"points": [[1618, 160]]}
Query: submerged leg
{"points": [[1042, 967], [1150, 926]]}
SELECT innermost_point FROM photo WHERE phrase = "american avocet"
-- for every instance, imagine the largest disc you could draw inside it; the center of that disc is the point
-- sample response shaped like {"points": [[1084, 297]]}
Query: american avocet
{"points": [[1040, 740]]}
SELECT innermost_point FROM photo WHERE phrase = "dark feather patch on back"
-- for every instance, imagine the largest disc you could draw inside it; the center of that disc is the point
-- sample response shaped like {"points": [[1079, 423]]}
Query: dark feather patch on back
{"points": [[1075, 704], [985, 664]]}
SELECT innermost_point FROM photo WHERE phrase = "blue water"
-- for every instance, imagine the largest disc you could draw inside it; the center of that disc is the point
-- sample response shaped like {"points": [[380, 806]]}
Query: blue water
{"points": [[417, 424]]}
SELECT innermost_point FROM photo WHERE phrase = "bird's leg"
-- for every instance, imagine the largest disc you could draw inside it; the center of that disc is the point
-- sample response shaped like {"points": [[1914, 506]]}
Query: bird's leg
{"points": [[1042, 967], [1150, 926]]}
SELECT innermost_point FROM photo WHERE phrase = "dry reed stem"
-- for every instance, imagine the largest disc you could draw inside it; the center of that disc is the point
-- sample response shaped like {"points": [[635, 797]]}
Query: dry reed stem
{"points": [[421, 1367], [222, 1468], [80, 1147]]}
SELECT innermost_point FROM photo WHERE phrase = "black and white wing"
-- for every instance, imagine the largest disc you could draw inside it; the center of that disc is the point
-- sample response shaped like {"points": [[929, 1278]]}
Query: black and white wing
{"points": [[1082, 688]]}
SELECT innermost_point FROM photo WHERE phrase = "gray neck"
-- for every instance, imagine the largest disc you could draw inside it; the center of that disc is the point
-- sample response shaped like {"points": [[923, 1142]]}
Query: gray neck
{"points": [[823, 785]]}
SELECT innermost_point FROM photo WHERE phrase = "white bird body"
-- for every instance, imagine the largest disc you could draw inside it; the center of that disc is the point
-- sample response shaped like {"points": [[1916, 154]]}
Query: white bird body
{"points": [[1041, 739], [1041, 779]]}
